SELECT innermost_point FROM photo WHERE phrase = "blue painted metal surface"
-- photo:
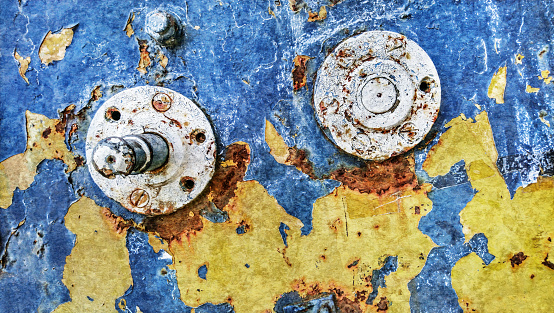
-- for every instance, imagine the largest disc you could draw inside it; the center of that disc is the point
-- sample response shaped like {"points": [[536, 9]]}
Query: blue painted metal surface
{"points": [[237, 66]]}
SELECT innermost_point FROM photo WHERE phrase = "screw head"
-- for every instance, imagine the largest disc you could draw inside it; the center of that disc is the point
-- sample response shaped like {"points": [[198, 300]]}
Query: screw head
{"points": [[161, 102], [139, 198]]}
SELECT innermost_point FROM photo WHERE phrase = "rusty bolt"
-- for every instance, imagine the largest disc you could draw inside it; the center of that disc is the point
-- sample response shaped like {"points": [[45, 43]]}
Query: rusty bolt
{"points": [[163, 27], [139, 198], [161, 102]]}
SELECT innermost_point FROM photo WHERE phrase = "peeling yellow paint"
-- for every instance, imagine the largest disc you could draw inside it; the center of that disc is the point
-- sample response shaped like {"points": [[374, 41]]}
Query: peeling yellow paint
{"points": [[347, 225], [129, 25], [53, 46], [45, 140], [530, 89], [277, 146], [144, 61], [498, 85], [519, 59], [96, 93], [98, 266], [545, 77], [23, 65], [162, 59], [523, 224]]}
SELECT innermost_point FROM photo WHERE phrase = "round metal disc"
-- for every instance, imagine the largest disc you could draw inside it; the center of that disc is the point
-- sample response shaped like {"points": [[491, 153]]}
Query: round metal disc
{"points": [[377, 95], [184, 127]]}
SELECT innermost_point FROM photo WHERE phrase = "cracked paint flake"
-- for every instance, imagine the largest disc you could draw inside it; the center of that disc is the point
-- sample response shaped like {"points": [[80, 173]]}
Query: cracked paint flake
{"points": [[45, 140], [163, 60], [53, 46], [98, 266], [129, 25], [23, 65], [277, 146], [545, 76], [518, 227], [498, 85], [144, 61], [317, 16]]}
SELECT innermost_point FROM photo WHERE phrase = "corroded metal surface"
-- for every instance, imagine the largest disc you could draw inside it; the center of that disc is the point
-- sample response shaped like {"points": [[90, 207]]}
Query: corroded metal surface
{"points": [[159, 113], [377, 95]]}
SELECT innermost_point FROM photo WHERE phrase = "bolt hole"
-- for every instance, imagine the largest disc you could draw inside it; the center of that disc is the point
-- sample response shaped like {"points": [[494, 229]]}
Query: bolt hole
{"points": [[379, 95], [113, 114], [187, 183], [426, 84], [110, 159], [198, 135]]}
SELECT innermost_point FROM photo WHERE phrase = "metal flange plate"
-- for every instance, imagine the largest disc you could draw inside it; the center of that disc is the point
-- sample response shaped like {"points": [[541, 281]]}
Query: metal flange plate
{"points": [[377, 95], [189, 137]]}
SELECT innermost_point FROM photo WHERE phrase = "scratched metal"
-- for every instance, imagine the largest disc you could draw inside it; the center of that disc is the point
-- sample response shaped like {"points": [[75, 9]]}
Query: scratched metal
{"points": [[236, 63]]}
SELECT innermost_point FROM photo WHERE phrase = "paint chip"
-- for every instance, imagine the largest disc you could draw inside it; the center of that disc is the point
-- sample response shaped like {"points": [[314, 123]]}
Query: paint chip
{"points": [[299, 71], [530, 89], [53, 46], [321, 15], [163, 59], [23, 64], [129, 26], [144, 61], [519, 58], [498, 85]]}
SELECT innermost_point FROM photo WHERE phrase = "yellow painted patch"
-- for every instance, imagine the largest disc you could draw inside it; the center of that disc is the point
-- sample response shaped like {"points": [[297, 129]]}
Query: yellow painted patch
{"points": [[277, 146], [530, 89], [98, 266], [53, 46], [544, 76], [519, 58], [523, 224], [23, 65], [498, 85], [45, 140], [129, 25], [347, 226]]}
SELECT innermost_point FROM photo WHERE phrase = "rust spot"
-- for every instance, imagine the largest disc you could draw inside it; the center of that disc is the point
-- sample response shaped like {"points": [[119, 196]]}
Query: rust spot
{"points": [[360, 296], [353, 264], [547, 263], [186, 221], [532, 276], [79, 160], [317, 16], [417, 210], [299, 158], [518, 258], [96, 94], [335, 225], [299, 71], [383, 304], [346, 305], [118, 224], [46, 132], [382, 178]]}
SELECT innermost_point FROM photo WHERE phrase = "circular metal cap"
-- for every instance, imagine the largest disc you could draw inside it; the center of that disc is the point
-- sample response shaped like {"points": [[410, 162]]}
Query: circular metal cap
{"points": [[186, 164], [377, 95]]}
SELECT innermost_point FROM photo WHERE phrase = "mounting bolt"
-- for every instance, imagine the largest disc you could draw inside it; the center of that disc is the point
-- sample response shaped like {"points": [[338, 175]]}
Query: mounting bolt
{"points": [[139, 198], [132, 154], [161, 102], [163, 27]]}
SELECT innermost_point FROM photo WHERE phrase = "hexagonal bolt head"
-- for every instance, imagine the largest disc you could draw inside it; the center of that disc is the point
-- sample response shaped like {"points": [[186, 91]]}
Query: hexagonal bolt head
{"points": [[164, 27]]}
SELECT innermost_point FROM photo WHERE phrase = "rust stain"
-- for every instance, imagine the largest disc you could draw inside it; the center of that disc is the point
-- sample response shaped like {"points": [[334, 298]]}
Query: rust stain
{"points": [[187, 221], [547, 263], [383, 178], [299, 71], [518, 258], [96, 93], [299, 159], [144, 61], [383, 305], [46, 132]]}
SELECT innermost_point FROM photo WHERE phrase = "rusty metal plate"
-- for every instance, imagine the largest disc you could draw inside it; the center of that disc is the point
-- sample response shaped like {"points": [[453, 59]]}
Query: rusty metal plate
{"points": [[173, 117], [377, 95]]}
